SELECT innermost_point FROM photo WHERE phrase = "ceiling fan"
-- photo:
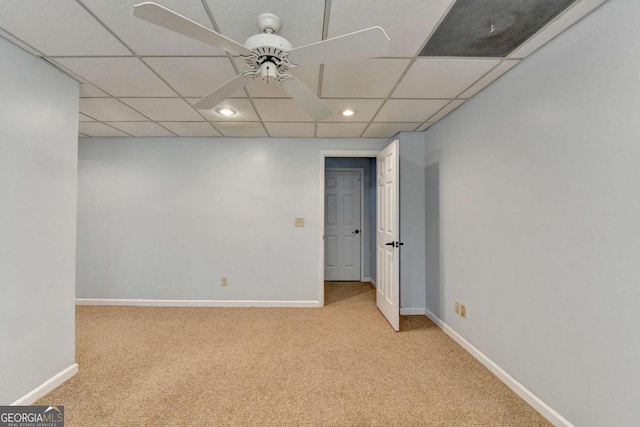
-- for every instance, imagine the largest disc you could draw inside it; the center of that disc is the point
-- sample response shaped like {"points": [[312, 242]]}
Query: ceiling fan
{"points": [[269, 56]]}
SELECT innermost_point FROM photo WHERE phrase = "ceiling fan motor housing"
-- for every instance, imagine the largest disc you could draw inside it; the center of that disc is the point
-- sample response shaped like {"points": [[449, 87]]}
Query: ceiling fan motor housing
{"points": [[265, 40], [270, 57]]}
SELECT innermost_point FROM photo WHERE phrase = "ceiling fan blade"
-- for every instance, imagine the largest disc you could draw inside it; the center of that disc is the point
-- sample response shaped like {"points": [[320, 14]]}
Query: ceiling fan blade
{"points": [[306, 98], [367, 43], [160, 15], [223, 92]]}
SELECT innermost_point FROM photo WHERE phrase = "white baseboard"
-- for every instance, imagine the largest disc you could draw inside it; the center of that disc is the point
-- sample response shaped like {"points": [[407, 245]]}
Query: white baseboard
{"points": [[195, 303], [545, 410], [411, 311], [369, 280], [47, 386]]}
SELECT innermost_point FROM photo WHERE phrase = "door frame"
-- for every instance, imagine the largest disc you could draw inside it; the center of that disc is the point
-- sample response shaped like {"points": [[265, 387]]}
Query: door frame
{"points": [[323, 155], [361, 172]]}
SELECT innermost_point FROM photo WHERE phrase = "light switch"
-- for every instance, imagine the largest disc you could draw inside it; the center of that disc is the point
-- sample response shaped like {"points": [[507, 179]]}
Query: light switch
{"points": [[299, 222]]}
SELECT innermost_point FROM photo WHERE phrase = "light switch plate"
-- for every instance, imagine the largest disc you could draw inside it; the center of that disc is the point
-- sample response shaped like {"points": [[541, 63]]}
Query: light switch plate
{"points": [[299, 222]]}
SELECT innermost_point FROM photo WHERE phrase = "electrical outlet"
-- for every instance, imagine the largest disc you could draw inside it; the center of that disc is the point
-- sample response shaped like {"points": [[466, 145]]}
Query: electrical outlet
{"points": [[299, 222], [457, 307], [224, 281], [463, 311]]}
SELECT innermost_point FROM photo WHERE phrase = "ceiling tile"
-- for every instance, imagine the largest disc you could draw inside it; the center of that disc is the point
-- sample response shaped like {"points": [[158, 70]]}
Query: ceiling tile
{"points": [[141, 128], [301, 20], [309, 75], [408, 23], [369, 78], [164, 109], [364, 108], [446, 110], [241, 129], [191, 128], [424, 126], [119, 76], [99, 129], [242, 106], [387, 130], [84, 118], [87, 90], [336, 130], [281, 110], [489, 78], [574, 13], [291, 129], [149, 39], [58, 28], [442, 78], [194, 76], [409, 110], [109, 109]]}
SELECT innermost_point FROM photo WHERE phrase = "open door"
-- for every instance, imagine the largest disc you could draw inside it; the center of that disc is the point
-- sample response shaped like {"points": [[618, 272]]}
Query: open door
{"points": [[388, 233]]}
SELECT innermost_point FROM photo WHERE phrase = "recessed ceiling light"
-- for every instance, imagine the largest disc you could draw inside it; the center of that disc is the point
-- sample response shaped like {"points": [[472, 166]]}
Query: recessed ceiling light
{"points": [[226, 111], [348, 112]]}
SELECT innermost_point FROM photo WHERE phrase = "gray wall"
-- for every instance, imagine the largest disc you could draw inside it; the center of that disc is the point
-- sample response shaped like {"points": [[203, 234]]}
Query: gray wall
{"points": [[369, 201], [166, 218], [434, 298], [412, 219], [38, 178], [541, 219]]}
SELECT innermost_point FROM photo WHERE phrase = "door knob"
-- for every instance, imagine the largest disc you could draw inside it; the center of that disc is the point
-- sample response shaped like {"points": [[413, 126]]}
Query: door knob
{"points": [[390, 244], [357, 231]]}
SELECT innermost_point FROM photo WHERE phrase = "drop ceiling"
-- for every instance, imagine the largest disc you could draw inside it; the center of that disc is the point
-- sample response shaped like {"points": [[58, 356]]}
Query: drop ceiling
{"points": [[141, 80]]}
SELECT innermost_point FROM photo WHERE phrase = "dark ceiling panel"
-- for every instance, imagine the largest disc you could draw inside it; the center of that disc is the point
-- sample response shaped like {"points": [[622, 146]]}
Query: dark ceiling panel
{"points": [[491, 28]]}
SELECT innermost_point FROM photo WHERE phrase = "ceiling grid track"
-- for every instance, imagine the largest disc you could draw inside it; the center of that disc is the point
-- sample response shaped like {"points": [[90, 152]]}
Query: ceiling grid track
{"points": [[457, 98], [71, 74], [325, 32], [32, 50], [406, 70], [141, 59], [411, 98], [233, 64]]}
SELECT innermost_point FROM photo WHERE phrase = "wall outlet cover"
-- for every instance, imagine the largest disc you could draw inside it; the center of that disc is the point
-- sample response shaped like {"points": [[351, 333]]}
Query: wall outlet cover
{"points": [[299, 222]]}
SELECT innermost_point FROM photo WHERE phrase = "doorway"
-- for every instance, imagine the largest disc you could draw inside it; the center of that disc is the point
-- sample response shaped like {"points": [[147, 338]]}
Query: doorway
{"points": [[343, 160], [349, 212], [383, 257]]}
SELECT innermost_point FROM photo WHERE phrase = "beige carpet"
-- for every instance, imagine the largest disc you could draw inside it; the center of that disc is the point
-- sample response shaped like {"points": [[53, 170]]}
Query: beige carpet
{"points": [[338, 365]]}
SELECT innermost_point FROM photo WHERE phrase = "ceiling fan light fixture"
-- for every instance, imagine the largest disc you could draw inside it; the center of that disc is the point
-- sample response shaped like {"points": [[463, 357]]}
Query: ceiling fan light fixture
{"points": [[348, 112], [226, 111]]}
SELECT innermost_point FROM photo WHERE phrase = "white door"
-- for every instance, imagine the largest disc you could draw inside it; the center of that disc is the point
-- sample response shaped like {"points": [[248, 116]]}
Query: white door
{"points": [[342, 226], [387, 245]]}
